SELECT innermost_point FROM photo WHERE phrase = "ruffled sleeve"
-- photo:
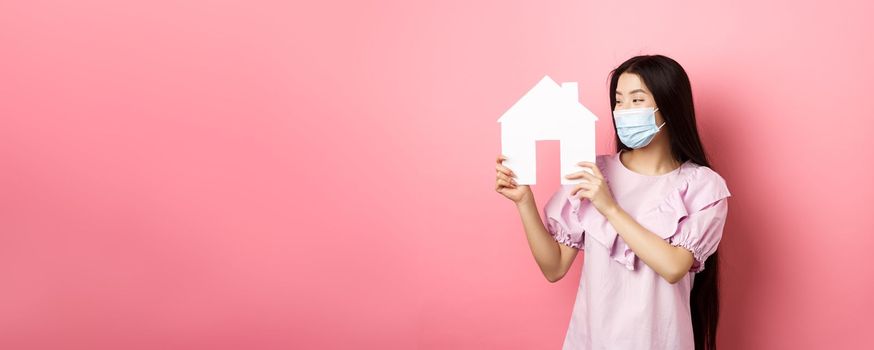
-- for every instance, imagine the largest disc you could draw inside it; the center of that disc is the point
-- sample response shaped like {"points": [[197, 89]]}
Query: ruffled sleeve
{"points": [[562, 221], [706, 205], [701, 232], [570, 219]]}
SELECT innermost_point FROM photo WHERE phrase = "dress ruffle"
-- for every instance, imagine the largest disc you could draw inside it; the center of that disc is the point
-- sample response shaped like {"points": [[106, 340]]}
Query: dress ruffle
{"points": [[698, 186], [564, 235]]}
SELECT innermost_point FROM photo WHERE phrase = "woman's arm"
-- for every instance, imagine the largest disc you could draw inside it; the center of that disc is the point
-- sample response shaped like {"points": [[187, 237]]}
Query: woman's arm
{"points": [[669, 261], [553, 258]]}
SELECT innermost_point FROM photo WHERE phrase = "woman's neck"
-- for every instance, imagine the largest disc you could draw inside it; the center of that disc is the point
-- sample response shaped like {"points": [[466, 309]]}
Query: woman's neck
{"points": [[654, 159]]}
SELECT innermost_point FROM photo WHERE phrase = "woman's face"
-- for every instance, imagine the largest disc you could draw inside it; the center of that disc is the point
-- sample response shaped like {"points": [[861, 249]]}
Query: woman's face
{"points": [[631, 92]]}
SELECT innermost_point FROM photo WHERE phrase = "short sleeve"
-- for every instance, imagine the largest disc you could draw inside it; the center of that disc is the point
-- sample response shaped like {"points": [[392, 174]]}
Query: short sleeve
{"points": [[562, 220], [701, 231]]}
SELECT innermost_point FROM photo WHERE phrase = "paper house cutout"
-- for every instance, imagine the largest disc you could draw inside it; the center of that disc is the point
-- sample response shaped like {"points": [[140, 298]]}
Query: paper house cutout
{"points": [[548, 111]]}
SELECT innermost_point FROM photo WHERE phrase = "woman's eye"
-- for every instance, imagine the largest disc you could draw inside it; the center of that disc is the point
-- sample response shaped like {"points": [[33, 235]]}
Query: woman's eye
{"points": [[637, 100]]}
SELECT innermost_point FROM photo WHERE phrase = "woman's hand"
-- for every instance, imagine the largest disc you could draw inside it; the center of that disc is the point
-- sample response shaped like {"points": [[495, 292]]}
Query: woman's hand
{"points": [[594, 188], [506, 185]]}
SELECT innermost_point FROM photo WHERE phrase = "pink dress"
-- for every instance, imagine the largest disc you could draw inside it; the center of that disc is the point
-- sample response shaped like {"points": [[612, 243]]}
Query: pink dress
{"points": [[621, 302]]}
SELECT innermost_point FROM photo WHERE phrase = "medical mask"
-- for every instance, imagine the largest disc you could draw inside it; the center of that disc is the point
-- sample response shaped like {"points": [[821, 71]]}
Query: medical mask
{"points": [[636, 127]]}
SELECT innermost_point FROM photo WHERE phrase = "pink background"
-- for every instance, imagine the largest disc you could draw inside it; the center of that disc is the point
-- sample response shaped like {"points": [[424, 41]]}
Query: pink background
{"points": [[259, 175]]}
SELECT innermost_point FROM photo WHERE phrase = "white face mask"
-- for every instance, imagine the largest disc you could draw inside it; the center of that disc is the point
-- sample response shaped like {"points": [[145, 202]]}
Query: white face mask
{"points": [[636, 127]]}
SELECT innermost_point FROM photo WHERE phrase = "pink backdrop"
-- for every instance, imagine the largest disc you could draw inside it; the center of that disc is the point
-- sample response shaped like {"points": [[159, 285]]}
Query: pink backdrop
{"points": [[252, 174]]}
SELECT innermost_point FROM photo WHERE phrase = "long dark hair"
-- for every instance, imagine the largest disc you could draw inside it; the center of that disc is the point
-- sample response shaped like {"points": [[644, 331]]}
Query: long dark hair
{"points": [[670, 87]]}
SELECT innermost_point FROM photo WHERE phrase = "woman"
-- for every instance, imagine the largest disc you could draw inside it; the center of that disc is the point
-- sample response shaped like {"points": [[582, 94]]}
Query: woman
{"points": [[650, 218]]}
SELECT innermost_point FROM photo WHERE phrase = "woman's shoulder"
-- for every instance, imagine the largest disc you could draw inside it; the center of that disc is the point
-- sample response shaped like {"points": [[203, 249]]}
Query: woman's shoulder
{"points": [[704, 175], [703, 185]]}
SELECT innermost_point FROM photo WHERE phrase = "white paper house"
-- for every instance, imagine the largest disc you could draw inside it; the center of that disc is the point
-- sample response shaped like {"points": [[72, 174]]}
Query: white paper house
{"points": [[547, 112]]}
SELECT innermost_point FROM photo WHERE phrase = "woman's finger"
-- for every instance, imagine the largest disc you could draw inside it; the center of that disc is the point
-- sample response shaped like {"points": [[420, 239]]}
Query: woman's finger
{"points": [[592, 178], [581, 193], [582, 174], [594, 167], [586, 187], [581, 187], [502, 158], [505, 170], [505, 183], [504, 177]]}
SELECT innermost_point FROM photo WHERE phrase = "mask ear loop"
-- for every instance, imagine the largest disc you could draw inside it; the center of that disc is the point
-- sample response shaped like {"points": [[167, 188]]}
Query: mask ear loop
{"points": [[663, 123]]}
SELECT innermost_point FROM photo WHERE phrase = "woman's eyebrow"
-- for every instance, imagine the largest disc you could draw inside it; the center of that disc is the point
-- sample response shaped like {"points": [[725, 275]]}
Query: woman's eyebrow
{"points": [[632, 91]]}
